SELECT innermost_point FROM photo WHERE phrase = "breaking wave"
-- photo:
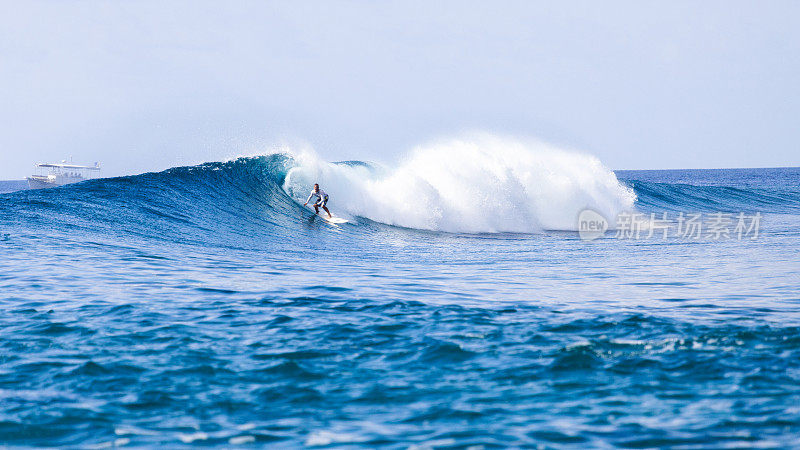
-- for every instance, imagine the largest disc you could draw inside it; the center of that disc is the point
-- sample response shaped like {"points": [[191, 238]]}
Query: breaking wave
{"points": [[484, 184]]}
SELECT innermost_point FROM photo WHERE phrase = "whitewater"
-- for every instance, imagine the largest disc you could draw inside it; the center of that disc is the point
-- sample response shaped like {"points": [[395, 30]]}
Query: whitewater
{"points": [[484, 184], [458, 308]]}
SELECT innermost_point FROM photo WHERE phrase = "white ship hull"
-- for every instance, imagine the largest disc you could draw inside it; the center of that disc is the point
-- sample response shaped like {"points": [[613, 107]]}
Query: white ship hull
{"points": [[61, 174], [49, 181], [40, 183]]}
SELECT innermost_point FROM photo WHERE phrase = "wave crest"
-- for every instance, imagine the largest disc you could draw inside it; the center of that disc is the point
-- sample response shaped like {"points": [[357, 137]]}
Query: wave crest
{"points": [[480, 184]]}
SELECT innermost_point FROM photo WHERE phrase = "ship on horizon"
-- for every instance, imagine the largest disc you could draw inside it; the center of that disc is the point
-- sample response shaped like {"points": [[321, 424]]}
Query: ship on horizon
{"points": [[60, 174]]}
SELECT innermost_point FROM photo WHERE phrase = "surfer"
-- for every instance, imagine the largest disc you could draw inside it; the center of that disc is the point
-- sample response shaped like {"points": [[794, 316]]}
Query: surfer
{"points": [[322, 199]]}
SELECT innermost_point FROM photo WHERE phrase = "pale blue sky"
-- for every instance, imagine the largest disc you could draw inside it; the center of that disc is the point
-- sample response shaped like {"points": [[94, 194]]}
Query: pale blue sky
{"points": [[148, 85]]}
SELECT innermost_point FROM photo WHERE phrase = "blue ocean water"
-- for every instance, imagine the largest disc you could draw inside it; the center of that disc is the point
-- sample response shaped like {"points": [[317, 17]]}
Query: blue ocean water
{"points": [[7, 186], [204, 306]]}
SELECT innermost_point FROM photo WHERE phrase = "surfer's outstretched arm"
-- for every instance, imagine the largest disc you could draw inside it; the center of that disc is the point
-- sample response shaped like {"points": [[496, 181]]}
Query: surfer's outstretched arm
{"points": [[309, 198]]}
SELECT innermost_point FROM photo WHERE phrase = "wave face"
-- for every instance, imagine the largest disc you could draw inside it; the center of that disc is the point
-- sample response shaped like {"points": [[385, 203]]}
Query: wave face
{"points": [[208, 203], [485, 184], [729, 190]]}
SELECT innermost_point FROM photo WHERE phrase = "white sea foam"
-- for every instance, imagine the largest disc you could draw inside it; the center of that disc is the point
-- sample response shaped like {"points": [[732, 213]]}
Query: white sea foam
{"points": [[483, 183]]}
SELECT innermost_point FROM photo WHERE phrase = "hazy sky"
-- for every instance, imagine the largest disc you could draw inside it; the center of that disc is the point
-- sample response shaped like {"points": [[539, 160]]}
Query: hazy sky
{"points": [[148, 85]]}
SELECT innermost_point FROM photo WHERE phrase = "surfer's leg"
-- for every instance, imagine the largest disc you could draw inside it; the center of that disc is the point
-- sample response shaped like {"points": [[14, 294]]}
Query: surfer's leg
{"points": [[316, 207], [324, 205]]}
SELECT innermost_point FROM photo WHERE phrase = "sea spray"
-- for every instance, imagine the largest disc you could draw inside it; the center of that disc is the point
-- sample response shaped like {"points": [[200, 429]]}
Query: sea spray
{"points": [[483, 183]]}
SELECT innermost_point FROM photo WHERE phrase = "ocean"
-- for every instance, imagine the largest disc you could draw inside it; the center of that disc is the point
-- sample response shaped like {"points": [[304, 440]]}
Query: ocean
{"points": [[7, 186], [459, 307]]}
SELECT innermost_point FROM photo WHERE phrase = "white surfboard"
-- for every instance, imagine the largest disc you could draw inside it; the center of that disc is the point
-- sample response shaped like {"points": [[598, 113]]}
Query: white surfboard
{"points": [[324, 216], [333, 219]]}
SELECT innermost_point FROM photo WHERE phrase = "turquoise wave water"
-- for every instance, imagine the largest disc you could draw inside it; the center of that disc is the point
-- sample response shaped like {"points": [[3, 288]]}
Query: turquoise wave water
{"points": [[203, 306]]}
